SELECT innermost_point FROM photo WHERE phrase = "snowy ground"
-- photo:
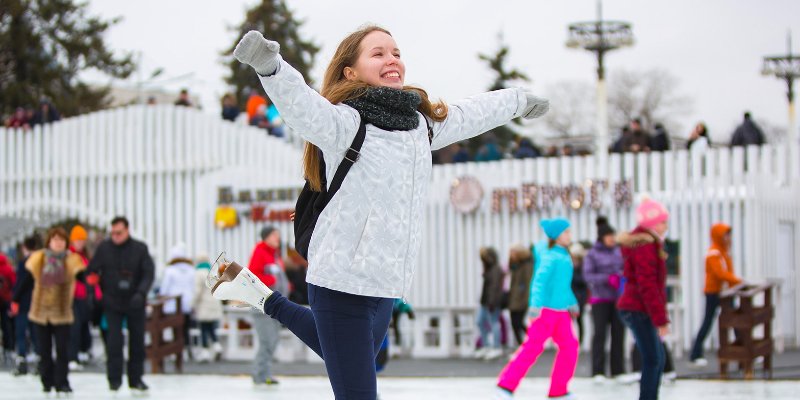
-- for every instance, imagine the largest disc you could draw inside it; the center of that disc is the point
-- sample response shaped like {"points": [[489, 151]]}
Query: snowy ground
{"points": [[220, 387]]}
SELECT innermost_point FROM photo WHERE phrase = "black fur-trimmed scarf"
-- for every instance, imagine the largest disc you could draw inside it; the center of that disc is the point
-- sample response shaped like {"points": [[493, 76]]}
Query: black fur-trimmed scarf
{"points": [[387, 108]]}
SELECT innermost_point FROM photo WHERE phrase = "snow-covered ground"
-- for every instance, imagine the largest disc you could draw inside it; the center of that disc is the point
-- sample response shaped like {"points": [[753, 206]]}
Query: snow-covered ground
{"points": [[225, 387]]}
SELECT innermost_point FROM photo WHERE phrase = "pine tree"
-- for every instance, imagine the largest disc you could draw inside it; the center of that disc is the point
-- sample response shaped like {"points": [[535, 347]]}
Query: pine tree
{"points": [[504, 76], [44, 46], [275, 21]]}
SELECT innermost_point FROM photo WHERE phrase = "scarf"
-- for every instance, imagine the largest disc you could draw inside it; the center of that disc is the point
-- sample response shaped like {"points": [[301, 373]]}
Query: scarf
{"points": [[387, 108], [53, 272]]}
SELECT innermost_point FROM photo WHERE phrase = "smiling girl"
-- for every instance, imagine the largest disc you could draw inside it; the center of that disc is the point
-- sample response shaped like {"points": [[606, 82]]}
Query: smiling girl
{"points": [[364, 246]]}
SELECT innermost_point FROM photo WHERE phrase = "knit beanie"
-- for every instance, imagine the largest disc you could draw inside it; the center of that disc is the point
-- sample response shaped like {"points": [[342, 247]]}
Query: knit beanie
{"points": [[554, 227], [178, 252], [77, 233], [603, 228], [651, 213]]}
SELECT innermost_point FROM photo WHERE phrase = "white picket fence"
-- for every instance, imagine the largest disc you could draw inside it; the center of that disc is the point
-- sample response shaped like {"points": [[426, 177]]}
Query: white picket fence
{"points": [[162, 166]]}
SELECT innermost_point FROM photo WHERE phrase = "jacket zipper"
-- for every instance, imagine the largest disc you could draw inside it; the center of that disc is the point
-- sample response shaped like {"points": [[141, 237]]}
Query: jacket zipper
{"points": [[410, 215]]}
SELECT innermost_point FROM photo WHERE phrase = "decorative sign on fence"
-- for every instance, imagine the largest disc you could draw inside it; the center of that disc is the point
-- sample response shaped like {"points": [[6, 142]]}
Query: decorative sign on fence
{"points": [[466, 194], [271, 205]]}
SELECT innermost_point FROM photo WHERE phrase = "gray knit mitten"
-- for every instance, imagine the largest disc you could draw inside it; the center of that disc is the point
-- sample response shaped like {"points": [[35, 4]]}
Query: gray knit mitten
{"points": [[536, 107], [259, 53]]}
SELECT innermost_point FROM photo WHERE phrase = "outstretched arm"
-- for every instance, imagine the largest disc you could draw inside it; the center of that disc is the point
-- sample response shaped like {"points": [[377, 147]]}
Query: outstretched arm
{"points": [[477, 114], [329, 127]]}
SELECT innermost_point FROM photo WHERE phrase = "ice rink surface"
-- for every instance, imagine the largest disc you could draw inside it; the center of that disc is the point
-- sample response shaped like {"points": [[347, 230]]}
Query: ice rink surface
{"points": [[226, 387]]}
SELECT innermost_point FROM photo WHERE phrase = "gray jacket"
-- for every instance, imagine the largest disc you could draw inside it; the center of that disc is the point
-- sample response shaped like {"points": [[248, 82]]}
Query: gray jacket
{"points": [[367, 238]]}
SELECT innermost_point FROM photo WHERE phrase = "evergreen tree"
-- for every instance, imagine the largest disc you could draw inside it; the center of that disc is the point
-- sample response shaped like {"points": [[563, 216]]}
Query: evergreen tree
{"points": [[275, 21], [504, 75], [44, 46]]}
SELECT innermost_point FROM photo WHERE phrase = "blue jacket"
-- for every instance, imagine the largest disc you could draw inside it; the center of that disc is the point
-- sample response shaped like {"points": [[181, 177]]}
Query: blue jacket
{"points": [[552, 278]]}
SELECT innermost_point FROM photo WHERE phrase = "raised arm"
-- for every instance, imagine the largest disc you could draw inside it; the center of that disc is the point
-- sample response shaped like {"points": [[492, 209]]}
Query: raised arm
{"points": [[329, 127], [477, 114]]}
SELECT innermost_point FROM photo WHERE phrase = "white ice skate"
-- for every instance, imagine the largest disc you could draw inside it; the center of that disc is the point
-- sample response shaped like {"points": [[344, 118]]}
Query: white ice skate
{"points": [[230, 281]]}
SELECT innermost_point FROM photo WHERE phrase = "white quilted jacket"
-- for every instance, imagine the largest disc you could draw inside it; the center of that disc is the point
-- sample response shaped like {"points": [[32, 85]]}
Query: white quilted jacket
{"points": [[367, 238]]}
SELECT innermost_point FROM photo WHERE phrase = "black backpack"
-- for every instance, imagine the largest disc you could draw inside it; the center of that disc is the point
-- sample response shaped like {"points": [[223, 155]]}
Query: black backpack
{"points": [[310, 203]]}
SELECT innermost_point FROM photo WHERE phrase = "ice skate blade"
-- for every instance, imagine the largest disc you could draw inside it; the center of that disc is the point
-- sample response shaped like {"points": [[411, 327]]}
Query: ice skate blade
{"points": [[222, 271]]}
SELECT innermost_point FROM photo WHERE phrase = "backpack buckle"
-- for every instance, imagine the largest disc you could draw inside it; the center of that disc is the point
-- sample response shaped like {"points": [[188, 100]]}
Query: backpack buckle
{"points": [[352, 155]]}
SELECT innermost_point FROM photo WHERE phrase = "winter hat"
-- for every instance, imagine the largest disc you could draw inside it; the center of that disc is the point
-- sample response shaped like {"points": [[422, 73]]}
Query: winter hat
{"points": [[651, 213], [603, 228], [77, 233], [553, 228], [202, 260], [267, 230], [178, 252]]}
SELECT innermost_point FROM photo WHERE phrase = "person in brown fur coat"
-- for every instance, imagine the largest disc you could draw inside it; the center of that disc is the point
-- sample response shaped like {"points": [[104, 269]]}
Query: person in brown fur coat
{"points": [[53, 272]]}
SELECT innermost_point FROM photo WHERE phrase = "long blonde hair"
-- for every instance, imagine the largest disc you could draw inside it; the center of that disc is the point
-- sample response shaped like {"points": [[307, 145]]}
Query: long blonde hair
{"points": [[336, 88]]}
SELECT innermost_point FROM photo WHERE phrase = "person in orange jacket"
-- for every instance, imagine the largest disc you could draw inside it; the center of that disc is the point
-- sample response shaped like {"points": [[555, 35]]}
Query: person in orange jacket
{"points": [[719, 271]]}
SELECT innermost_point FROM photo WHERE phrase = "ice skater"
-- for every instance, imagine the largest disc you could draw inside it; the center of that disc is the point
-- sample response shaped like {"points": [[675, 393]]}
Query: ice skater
{"points": [[364, 246], [643, 304], [552, 308], [719, 272]]}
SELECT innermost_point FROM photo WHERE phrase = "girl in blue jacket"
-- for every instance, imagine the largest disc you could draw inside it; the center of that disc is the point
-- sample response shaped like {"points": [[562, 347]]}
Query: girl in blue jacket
{"points": [[552, 307]]}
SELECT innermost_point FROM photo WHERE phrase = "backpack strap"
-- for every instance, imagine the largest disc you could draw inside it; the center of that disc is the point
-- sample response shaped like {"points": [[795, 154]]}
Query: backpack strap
{"points": [[430, 129], [350, 157]]}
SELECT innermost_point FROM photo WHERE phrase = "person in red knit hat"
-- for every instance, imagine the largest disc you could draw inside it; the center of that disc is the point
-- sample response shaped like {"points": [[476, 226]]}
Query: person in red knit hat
{"points": [[643, 304]]}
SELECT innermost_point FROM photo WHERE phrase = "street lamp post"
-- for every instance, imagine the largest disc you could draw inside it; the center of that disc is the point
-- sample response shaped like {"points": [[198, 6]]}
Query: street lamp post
{"points": [[600, 37], [787, 68]]}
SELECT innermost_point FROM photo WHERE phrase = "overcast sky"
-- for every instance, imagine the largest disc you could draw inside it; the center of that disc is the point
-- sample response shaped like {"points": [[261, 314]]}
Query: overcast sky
{"points": [[714, 47]]}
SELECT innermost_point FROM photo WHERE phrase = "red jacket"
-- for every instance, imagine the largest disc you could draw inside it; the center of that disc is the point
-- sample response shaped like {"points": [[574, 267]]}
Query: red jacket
{"points": [[7, 279], [264, 255], [80, 287], [646, 273]]}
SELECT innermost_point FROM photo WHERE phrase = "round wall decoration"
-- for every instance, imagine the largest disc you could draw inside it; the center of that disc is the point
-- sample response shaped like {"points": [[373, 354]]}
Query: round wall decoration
{"points": [[466, 194]]}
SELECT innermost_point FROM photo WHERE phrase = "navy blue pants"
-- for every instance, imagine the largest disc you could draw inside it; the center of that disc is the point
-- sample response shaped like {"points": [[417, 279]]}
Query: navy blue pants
{"points": [[346, 330], [712, 304], [649, 344], [25, 333]]}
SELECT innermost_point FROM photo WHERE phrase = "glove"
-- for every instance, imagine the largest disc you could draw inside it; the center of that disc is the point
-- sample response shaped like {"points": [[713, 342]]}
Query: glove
{"points": [[536, 106], [534, 312], [613, 281], [259, 53], [14, 309], [92, 279]]}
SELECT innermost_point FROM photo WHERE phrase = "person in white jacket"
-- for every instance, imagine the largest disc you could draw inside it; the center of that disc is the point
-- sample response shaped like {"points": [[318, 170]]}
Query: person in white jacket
{"points": [[207, 312], [179, 280], [364, 246]]}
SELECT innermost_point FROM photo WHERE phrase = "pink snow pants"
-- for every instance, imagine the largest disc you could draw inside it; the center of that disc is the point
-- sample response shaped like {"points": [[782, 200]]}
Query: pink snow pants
{"points": [[550, 324]]}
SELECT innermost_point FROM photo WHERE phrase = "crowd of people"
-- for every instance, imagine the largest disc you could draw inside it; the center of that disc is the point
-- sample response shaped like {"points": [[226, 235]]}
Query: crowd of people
{"points": [[621, 276], [27, 117], [60, 292], [635, 139]]}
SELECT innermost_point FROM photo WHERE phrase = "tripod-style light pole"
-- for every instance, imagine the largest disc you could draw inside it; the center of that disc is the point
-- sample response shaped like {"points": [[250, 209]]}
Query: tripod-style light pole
{"points": [[787, 68], [600, 37]]}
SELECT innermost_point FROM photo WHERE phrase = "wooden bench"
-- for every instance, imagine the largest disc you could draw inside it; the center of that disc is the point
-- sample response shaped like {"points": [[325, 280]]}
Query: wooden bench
{"points": [[744, 319], [157, 322]]}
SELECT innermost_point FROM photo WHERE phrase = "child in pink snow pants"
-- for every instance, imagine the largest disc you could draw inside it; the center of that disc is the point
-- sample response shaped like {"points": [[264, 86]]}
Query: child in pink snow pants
{"points": [[552, 307]]}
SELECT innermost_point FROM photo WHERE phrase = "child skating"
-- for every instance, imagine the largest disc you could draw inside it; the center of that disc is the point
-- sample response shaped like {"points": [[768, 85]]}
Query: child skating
{"points": [[552, 307], [364, 246]]}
